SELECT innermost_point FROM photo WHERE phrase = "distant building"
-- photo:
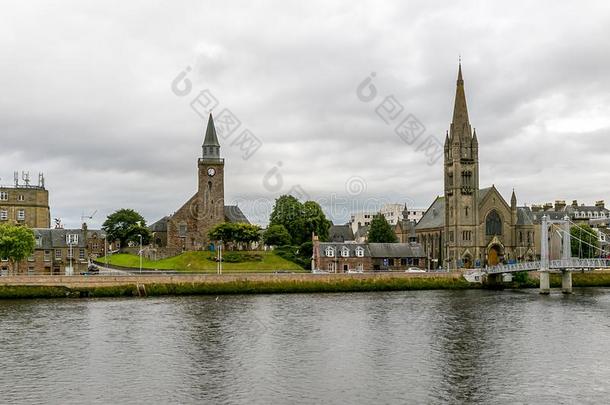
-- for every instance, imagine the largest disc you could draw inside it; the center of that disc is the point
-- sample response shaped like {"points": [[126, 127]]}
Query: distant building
{"points": [[393, 213], [341, 233], [25, 204], [57, 249], [366, 257], [188, 227]]}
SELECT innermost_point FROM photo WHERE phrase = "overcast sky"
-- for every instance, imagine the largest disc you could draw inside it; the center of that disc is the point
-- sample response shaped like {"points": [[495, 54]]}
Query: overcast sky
{"points": [[91, 95]]}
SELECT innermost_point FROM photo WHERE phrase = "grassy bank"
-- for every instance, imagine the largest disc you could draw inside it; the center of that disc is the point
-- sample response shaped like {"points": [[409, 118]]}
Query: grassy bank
{"points": [[241, 287], [246, 262]]}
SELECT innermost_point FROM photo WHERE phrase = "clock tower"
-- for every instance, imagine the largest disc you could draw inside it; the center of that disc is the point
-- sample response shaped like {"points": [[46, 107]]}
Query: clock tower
{"points": [[211, 190]]}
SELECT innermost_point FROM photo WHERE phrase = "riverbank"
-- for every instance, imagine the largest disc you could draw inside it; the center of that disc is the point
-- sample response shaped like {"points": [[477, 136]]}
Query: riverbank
{"points": [[15, 287], [155, 285]]}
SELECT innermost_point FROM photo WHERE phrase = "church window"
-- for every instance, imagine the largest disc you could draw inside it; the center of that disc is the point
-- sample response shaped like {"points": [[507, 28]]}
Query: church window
{"points": [[493, 223], [450, 236], [466, 210], [182, 230]]}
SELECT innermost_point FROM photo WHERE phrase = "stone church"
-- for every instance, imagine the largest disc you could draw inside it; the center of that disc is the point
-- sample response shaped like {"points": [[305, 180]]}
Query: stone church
{"points": [[471, 226], [188, 227]]}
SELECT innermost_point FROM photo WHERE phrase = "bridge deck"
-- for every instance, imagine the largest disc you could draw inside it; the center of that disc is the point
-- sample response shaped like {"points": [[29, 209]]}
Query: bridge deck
{"points": [[565, 264]]}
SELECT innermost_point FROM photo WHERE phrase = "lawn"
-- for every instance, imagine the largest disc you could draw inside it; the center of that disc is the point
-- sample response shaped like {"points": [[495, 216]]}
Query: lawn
{"points": [[200, 261]]}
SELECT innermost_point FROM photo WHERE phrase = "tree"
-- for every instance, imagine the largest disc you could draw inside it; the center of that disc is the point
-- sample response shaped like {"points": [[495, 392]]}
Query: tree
{"points": [[315, 220], [584, 241], [288, 212], [235, 233], [16, 243], [300, 220], [380, 231], [276, 235], [126, 225]]}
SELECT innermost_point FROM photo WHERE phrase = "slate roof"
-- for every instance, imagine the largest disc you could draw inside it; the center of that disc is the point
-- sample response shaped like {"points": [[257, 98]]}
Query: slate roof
{"points": [[160, 225], [234, 214], [362, 231], [340, 233], [434, 217], [525, 216], [396, 250], [338, 246], [56, 238]]}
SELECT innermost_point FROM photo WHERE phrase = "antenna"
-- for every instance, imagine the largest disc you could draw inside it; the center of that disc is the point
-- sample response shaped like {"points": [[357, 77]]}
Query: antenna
{"points": [[41, 179], [16, 178], [26, 177]]}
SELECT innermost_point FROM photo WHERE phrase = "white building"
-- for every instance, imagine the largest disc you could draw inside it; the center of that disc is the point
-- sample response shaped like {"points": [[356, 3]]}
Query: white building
{"points": [[393, 213]]}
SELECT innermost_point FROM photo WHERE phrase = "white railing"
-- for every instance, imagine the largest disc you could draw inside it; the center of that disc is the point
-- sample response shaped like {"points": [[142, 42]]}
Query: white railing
{"points": [[573, 263]]}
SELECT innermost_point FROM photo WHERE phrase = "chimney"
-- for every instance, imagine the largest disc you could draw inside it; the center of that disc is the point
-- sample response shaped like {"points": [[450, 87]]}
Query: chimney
{"points": [[574, 203], [559, 205], [536, 208], [547, 206], [600, 204]]}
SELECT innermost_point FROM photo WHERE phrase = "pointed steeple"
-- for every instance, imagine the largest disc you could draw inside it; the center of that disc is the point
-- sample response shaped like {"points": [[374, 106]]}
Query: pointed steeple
{"points": [[513, 200], [475, 140], [211, 146], [460, 124]]}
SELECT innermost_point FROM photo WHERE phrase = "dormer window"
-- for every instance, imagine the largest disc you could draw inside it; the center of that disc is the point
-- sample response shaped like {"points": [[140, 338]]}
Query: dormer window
{"points": [[359, 251], [344, 252], [330, 252]]}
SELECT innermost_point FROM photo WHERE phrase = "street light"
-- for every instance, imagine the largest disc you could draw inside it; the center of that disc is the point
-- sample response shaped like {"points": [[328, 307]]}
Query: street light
{"points": [[106, 250], [140, 253]]}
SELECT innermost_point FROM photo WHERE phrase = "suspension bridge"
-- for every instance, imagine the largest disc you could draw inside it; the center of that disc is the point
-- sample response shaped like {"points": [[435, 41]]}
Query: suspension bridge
{"points": [[566, 265]]}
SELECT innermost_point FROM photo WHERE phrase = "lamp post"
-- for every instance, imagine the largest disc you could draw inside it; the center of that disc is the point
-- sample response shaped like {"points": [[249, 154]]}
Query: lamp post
{"points": [[140, 253], [106, 250]]}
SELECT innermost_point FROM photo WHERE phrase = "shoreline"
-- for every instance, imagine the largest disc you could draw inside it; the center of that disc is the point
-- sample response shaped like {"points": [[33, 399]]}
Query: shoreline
{"points": [[31, 287]]}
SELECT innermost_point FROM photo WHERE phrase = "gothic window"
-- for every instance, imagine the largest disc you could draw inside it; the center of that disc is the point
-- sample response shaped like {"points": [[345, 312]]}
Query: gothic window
{"points": [[493, 223], [466, 210]]}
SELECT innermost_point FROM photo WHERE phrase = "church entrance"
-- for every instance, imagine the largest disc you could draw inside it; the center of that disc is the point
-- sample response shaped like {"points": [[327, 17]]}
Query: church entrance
{"points": [[493, 256], [467, 262]]}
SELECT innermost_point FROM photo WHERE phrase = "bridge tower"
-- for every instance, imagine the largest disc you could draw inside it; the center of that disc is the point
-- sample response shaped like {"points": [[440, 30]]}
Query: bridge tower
{"points": [[566, 255], [545, 282]]}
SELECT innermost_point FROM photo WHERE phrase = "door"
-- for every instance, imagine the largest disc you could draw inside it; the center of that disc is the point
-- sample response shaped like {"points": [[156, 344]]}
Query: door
{"points": [[493, 257]]}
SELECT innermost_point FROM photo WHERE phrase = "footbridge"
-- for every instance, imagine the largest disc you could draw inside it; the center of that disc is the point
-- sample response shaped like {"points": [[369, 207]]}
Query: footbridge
{"points": [[566, 265]]}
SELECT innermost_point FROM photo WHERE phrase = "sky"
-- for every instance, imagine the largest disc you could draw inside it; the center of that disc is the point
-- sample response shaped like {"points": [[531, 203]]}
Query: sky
{"points": [[109, 99]]}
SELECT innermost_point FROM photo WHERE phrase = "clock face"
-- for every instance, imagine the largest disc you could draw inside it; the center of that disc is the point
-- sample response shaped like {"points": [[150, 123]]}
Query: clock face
{"points": [[211, 171]]}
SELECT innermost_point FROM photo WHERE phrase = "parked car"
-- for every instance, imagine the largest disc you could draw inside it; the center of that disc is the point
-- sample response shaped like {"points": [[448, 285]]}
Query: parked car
{"points": [[414, 270]]}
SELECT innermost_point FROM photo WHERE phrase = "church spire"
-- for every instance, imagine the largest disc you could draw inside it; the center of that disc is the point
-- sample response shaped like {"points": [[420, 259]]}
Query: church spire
{"points": [[513, 200], [211, 146], [460, 124]]}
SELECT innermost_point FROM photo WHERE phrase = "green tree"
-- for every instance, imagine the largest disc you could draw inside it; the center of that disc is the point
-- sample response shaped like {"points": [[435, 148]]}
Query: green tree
{"points": [[300, 220], [380, 231], [16, 243], [315, 221], [288, 212], [126, 225], [234, 234], [276, 235], [589, 247]]}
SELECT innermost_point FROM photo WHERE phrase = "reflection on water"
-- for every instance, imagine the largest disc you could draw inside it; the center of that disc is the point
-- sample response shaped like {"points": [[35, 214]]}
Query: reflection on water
{"points": [[417, 347]]}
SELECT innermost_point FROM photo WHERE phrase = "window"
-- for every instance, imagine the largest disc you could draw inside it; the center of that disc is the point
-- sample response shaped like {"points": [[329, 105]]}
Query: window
{"points": [[81, 254], [38, 241], [3, 215], [31, 258], [47, 256], [94, 245], [344, 252], [21, 197], [330, 252], [57, 254], [359, 252], [3, 196], [182, 230], [466, 235], [72, 239], [331, 267], [31, 270], [450, 236], [493, 223], [20, 215]]}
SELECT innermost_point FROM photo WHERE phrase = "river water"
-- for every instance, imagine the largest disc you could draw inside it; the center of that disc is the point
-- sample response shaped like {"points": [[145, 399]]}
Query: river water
{"points": [[361, 348]]}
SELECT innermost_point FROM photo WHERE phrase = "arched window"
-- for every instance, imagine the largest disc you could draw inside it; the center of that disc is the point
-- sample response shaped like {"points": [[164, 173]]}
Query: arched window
{"points": [[493, 223]]}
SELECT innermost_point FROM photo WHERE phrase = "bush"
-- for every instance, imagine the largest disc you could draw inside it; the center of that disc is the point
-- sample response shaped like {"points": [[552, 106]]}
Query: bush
{"points": [[235, 257]]}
